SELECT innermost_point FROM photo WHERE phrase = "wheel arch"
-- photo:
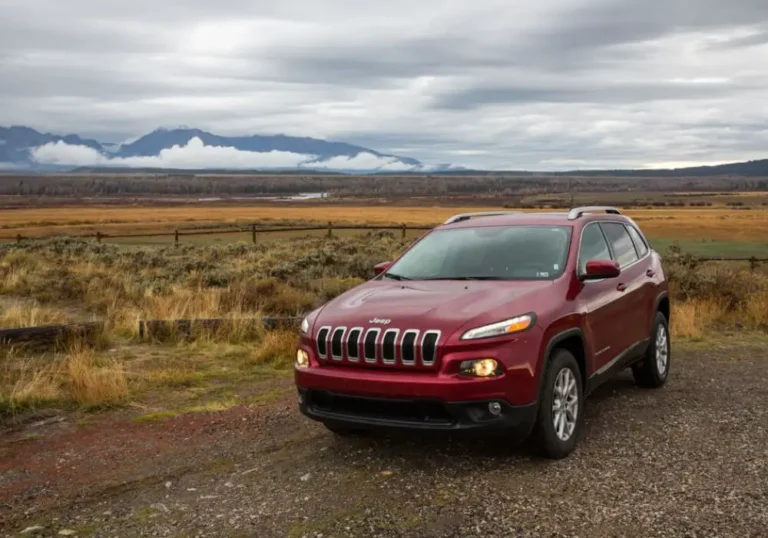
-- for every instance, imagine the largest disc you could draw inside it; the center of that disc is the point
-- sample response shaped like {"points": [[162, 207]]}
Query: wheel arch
{"points": [[662, 305], [572, 340]]}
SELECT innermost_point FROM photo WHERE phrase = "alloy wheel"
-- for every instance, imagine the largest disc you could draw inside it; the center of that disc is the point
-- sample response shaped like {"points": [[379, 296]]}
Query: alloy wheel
{"points": [[565, 407]]}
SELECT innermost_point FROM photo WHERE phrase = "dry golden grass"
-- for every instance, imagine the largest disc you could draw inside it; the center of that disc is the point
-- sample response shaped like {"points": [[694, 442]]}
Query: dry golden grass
{"points": [[692, 319], [683, 223], [19, 314], [277, 347], [80, 377], [93, 382]]}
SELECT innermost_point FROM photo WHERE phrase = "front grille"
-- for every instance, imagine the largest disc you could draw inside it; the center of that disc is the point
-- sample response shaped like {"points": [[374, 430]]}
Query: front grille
{"points": [[422, 411], [374, 346]]}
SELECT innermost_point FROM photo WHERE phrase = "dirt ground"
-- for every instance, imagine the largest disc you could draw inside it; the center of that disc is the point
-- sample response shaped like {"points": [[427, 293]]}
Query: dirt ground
{"points": [[689, 460]]}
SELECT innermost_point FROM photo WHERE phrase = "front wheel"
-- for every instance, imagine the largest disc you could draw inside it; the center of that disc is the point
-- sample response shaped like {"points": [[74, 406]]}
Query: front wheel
{"points": [[561, 409], [653, 370]]}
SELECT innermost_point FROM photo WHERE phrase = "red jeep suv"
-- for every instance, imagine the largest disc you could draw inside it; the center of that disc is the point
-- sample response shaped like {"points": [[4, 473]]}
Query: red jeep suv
{"points": [[492, 322]]}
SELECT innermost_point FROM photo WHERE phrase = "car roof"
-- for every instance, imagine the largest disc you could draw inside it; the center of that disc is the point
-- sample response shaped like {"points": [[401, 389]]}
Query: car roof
{"points": [[542, 218]]}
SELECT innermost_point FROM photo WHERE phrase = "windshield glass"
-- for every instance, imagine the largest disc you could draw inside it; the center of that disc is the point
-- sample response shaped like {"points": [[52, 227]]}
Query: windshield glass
{"points": [[487, 252]]}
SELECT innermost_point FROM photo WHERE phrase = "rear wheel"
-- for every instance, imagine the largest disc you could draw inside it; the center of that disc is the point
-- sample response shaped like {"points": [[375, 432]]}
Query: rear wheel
{"points": [[561, 409], [653, 370]]}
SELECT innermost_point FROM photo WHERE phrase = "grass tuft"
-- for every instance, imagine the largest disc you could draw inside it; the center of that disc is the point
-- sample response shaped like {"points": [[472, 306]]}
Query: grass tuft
{"points": [[95, 382]]}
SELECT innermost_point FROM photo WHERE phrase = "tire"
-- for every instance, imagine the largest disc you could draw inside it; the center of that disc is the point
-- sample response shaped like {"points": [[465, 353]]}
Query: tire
{"points": [[652, 371], [562, 366]]}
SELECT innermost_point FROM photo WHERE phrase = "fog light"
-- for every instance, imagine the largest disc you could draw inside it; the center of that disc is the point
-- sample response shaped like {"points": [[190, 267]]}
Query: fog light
{"points": [[302, 359], [480, 368], [494, 408]]}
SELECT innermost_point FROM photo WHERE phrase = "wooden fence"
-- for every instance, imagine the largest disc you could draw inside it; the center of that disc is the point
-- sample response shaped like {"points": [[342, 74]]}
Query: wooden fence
{"points": [[253, 231]]}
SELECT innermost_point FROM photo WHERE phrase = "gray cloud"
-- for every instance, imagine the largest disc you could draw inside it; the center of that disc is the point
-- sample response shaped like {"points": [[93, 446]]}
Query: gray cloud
{"points": [[488, 83]]}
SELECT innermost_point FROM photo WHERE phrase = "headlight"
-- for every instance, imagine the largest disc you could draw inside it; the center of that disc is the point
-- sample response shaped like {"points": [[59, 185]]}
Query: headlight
{"points": [[302, 359], [304, 326], [480, 368], [508, 326]]}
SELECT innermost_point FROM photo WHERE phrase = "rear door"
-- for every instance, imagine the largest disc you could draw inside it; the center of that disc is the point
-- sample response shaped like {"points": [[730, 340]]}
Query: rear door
{"points": [[630, 285], [649, 285]]}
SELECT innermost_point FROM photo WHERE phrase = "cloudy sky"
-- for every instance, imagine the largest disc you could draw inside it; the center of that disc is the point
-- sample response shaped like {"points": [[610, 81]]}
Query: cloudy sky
{"points": [[545, 84]]}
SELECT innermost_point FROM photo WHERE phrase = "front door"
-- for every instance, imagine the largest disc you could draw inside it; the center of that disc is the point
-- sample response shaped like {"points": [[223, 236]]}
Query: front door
{"points": [[631, 283], [597, 301]]}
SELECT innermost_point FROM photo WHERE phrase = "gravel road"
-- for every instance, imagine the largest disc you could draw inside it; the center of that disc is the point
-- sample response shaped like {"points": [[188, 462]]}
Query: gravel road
{"points": [[689, 460]]}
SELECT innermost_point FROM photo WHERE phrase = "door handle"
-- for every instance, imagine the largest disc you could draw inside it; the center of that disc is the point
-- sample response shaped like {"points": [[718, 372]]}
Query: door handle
{"points": [[650, 273], [621, 287]]}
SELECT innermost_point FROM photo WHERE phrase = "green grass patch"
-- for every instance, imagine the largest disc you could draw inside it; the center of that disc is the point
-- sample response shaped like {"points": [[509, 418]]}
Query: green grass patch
{"points": [[710, 248]]}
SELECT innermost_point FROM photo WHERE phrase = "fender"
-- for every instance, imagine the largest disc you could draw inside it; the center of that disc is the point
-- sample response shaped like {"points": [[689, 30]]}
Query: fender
{"points": [[556, 339]]}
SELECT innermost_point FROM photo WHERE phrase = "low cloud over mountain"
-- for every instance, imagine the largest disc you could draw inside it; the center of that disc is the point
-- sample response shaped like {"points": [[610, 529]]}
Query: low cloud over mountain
{"points": [[194, 149]]}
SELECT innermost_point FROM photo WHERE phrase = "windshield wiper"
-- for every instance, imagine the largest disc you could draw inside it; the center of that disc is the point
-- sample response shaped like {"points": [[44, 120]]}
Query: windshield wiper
{"points": [[393, 276], [466, 278]]}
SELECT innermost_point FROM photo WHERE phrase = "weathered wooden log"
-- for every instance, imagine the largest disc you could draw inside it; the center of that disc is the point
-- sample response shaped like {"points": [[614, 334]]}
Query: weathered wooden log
{"points": [[154, 328], [49, 334]]}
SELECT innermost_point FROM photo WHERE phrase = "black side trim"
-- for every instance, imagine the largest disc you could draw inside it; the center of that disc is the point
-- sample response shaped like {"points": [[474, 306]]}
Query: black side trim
{"points": [[626, 358]]}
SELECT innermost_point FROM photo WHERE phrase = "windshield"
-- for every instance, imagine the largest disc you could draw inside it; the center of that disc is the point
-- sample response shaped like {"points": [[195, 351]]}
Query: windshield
{"points": [[486, 253]]}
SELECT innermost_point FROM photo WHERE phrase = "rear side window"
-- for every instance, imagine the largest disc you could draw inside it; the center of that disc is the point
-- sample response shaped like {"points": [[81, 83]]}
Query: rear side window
{"points": [[637, 239], [593, 246], [621, 243]]}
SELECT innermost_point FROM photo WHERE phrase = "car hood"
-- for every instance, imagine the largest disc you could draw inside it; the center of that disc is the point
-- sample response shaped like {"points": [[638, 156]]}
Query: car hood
{"points": [[426, 305]]}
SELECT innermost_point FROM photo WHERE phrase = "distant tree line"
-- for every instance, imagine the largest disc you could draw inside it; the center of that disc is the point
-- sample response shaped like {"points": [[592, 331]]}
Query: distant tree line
{"points": [[228, 185]]}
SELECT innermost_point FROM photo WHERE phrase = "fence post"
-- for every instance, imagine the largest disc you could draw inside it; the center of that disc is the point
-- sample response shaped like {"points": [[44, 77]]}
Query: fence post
{"points": [[253, 233], [330, 229], [18, 238], [753, 264], [404, 230], [176, 237], [98, 237]]}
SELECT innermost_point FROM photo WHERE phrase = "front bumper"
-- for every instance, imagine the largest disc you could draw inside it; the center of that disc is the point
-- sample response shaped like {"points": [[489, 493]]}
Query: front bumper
{"points": [[424, 414]]}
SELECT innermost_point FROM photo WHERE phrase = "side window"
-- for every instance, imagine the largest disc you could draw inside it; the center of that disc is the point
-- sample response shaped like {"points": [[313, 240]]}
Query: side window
{"points": [[637, 239], [593, 246], [621, 243]]}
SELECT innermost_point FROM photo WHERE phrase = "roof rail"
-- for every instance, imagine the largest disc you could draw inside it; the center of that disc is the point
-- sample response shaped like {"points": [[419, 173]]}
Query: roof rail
{"points": [[577, 212], [467, 216]]}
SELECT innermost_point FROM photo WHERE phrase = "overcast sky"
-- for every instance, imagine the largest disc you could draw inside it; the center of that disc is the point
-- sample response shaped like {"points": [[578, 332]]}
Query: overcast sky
{"points": [[545, 84]]}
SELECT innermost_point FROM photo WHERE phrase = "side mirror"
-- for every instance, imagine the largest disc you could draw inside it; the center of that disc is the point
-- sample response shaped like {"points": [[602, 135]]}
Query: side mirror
{"points": [[599, 269], [381, 267]]}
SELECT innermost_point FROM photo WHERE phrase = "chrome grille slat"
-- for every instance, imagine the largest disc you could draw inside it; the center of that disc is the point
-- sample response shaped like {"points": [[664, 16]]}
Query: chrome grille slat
{"points": [[408, 347], [389, 346], [370, 346], [429, 347], [337, 343], [378, 346], [353, 344], [322, 342]]}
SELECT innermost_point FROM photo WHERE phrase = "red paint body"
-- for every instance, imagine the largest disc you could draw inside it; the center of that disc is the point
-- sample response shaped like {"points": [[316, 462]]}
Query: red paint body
{"points": [[607, 316]]}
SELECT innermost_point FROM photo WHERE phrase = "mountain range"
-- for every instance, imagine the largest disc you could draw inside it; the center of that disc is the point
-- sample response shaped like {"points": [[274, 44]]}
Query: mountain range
{"points": [[23, 148]]}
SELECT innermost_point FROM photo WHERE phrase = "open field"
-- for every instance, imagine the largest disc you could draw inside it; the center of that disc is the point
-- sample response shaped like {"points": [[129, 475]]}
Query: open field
{"points": [[686, 460]]}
